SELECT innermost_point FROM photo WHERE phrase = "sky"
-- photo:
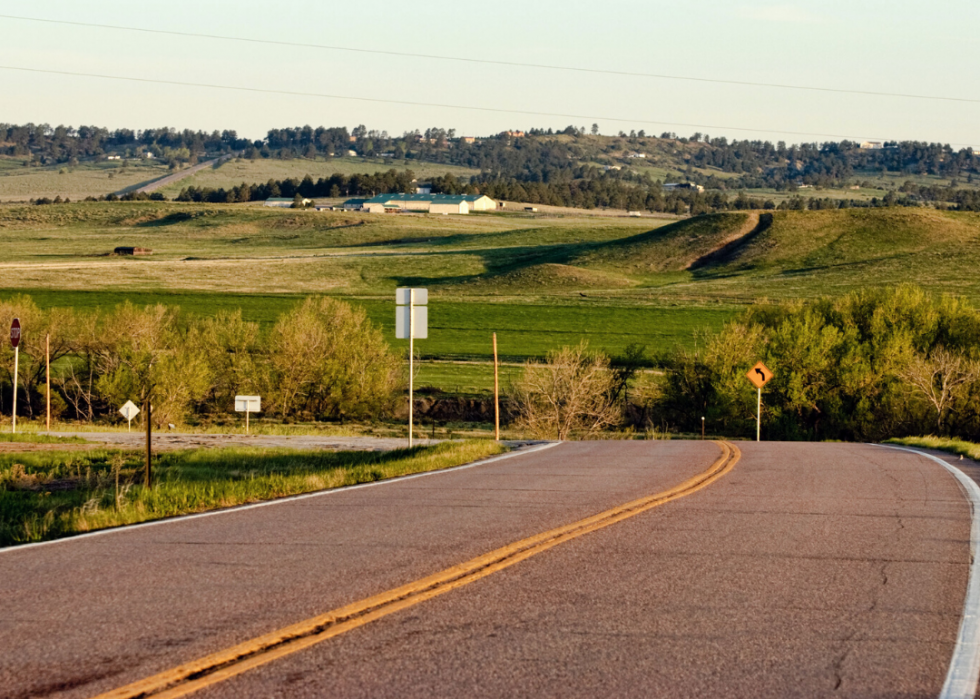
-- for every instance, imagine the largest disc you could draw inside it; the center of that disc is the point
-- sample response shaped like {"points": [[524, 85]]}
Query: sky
{"points": [[892, 46]]}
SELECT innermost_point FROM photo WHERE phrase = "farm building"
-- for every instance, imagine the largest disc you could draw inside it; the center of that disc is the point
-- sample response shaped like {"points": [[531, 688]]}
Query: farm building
{"points": [[872, 145], [670, 186], [283, 202], [423, 203]]}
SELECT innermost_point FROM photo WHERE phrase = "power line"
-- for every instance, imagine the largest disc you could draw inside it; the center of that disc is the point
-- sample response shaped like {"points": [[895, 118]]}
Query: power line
{"points": [[486, 61], [377, 100]]}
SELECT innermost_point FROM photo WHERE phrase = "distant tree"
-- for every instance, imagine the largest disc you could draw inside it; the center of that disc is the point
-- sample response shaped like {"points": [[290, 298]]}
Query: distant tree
{"points": [[595, 129]]}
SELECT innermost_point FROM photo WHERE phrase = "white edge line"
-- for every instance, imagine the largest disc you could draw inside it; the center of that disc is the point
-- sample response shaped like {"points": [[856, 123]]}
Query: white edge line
{"points": [[277, 501], [964, 668]]}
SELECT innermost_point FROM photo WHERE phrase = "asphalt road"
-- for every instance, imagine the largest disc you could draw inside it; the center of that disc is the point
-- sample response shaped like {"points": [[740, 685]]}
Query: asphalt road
{"points": [[809, 570]]}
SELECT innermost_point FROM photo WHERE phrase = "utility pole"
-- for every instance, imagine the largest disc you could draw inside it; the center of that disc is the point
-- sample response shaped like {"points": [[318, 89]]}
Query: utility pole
{"points": [[496, 393]]}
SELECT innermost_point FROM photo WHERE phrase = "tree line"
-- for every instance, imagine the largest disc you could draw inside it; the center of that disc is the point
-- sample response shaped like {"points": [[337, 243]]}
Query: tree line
{"points": [[540, 155], [871, 365], [323, 359], [603, 191]]}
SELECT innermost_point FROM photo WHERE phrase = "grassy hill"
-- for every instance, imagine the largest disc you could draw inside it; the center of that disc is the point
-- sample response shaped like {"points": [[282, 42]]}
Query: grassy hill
{"points": [[539, 281]]}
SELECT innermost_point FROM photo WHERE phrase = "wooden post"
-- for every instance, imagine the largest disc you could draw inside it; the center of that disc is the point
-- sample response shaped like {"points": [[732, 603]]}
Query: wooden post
{"points": [[13, 414], [47, 367], [496, 393], [148, 413], [411, 362]]}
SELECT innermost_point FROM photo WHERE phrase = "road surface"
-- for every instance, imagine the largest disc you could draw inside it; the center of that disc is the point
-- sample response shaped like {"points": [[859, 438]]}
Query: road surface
{"points": [[807, 570]]}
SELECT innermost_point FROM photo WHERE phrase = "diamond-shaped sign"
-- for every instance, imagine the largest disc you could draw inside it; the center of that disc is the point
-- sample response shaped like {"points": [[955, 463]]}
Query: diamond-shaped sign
{"points": [[759, 375]]}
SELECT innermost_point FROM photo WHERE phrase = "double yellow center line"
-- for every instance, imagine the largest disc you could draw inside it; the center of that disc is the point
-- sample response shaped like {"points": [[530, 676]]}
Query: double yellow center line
{"points": [[217, 667]]}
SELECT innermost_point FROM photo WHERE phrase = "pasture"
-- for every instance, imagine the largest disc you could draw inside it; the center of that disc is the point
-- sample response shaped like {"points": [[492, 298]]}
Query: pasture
{"points": [[538, 281]]}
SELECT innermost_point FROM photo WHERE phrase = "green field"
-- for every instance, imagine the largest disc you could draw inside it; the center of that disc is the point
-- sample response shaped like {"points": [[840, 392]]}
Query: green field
{"points": [[539, 282]]}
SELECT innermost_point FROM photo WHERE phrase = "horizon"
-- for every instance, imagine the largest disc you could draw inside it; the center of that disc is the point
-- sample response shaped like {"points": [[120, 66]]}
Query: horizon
{"points": [[486, 74]]}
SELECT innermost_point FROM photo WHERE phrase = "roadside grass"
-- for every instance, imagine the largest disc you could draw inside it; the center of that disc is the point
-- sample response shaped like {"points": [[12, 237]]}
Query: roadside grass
{"points": [[952, 445], [52, 495], [32, 437]]}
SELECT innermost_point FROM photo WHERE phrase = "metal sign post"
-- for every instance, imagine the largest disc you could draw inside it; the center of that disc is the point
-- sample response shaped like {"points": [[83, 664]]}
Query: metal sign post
{"points": [[248, 404], [15, 341], [129, 411], [411, 322], [759, 376]]}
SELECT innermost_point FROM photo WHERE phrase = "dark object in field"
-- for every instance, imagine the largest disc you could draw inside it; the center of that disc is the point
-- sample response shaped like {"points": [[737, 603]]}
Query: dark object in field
{"points": [[122, 250]]}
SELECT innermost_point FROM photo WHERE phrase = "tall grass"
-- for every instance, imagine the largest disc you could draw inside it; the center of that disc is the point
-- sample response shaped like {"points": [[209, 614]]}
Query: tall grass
{"points": [[952, 445], [52, 495]]}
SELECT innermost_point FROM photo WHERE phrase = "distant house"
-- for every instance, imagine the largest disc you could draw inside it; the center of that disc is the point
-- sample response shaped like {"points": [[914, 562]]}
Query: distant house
{"points": [[531, 209], [114, 157], [423, 189], [637, 155], [515, 134], [353, 204], [635, 214], [671, 186], [352, 153], [872, 145], [283, 202], [422, 203], [975, 151], [468, 139], [612, 167]]}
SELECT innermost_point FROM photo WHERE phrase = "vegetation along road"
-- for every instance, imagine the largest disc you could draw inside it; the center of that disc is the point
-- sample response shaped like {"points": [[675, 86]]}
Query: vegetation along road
{"points": [[619, 568]]}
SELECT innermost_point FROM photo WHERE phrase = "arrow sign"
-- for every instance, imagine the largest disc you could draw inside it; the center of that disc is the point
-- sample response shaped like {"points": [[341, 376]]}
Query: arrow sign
{"points": [[759, 375], [15, 333], [129, 411]]}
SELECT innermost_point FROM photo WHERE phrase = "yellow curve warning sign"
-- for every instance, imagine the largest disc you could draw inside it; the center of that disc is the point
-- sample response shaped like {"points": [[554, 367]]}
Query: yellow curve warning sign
{"points": [[759, 375]]}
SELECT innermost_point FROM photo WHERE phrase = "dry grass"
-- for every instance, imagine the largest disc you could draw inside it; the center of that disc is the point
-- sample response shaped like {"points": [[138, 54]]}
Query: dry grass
{"points": [[87, 180]]}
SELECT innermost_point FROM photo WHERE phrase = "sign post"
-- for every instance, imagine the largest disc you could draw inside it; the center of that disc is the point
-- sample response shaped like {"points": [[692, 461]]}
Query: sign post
{"points": [[129, 411], [496, 393], [759, 376], [15, 341], [248, 404], [411, 323]]}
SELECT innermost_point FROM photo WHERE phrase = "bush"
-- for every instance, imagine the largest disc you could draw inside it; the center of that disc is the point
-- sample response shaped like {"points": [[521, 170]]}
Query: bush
{"points": [[869, 365], [573, 392]]}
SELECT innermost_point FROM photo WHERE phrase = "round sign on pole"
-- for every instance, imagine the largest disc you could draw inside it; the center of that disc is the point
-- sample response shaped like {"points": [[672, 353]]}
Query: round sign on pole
{"points": [[15, 333]]}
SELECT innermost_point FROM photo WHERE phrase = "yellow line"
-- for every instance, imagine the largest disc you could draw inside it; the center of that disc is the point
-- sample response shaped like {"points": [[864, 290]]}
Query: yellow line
{"points": [[217, 667]]}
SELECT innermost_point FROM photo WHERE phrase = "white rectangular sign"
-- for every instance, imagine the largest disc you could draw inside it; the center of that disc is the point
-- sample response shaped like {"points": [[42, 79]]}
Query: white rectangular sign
{"points": [[129, 411], [403, 295], [248, 404], [420, 322]]}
